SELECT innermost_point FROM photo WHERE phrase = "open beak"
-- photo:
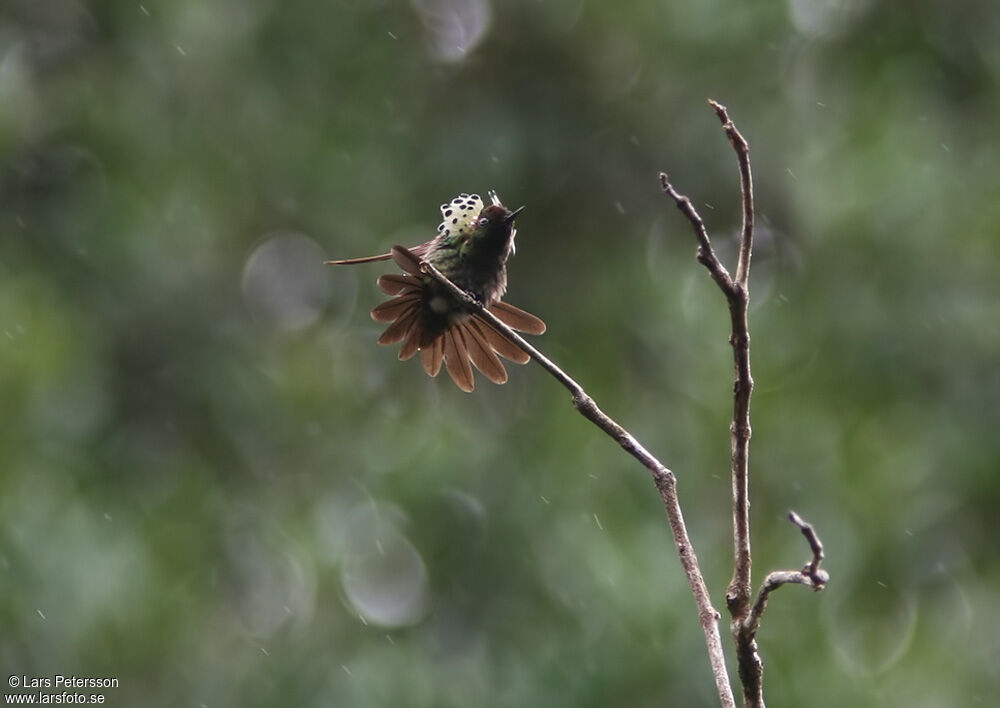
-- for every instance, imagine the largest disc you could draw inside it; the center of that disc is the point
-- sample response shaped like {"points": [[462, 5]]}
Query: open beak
{"points": [[513, 215]]}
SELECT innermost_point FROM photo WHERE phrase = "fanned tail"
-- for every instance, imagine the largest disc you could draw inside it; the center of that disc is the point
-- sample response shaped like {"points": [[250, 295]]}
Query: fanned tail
{"points": [[500, 344], [456, 359], [432, 355], [481, 352], [516, 318], [465, 344], [468, 342]]}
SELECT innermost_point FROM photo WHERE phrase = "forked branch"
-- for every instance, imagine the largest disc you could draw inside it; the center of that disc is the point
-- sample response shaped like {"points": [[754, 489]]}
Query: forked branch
{"points": [[737, 294], [745, 616]]}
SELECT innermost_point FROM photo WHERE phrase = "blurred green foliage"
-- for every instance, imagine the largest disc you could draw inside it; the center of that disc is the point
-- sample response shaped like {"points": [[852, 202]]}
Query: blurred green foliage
{"points": [[215, 486]]}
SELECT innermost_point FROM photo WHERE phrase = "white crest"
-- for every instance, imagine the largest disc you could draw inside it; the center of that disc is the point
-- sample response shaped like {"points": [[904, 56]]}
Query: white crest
{"points": [[460, 214]]}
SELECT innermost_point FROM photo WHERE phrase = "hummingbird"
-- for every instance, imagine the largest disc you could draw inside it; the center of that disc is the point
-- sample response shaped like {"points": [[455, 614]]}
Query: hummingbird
{"points": [[471, 249]]}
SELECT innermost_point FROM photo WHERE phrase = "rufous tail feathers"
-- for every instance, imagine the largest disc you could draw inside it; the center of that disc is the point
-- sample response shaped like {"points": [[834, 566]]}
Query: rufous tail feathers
{"points": [[468, 343]]}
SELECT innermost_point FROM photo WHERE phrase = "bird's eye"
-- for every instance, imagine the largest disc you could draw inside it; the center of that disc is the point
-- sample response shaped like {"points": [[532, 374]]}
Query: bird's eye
{"points": [[484, 221]]}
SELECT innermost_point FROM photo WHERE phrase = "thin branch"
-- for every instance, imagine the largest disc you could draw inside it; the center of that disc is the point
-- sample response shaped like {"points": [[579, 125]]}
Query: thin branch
{"points": [[811, 569], [666, 482], [706, 255], [742, 149], [811, 575], [737, 293], [737, 296], [738, 595]]}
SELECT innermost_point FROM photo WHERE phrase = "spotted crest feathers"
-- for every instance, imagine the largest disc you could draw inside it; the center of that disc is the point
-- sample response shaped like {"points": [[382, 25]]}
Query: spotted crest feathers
{"points": [[458, 217]]}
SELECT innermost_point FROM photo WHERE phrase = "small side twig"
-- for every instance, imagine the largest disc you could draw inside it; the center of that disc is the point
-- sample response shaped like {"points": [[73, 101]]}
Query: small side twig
{"points": [[811, 569], [706, 254], [811, 576], [666, 482]]}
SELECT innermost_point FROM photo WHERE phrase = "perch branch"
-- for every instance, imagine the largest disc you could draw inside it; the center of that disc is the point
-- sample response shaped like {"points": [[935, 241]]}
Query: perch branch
{"points": [[666, 482]]}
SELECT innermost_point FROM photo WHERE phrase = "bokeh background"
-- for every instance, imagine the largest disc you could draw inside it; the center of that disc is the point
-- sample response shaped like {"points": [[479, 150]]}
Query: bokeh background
{"points": [[216, 487]]}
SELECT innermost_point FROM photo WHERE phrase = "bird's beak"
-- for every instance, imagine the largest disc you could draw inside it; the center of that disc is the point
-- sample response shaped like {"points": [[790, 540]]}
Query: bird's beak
{"points": [[513, 215]]}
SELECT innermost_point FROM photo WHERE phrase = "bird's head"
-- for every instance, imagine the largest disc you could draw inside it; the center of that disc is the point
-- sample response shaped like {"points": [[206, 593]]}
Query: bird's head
{"points": [[496, 218]]}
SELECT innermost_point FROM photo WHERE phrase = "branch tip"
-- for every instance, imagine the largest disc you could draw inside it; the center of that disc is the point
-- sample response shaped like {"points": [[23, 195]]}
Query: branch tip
{"points": [[720, 110], [811, 569]]}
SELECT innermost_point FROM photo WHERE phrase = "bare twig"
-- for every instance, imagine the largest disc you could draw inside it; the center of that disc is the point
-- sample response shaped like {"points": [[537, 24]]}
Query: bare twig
{"points": [[811, 575], [737, 293], [706, 255], [742, 149], [737, 296], [811, 569], [745, 617], [738, 594], [745, 631], [666, 482]]}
